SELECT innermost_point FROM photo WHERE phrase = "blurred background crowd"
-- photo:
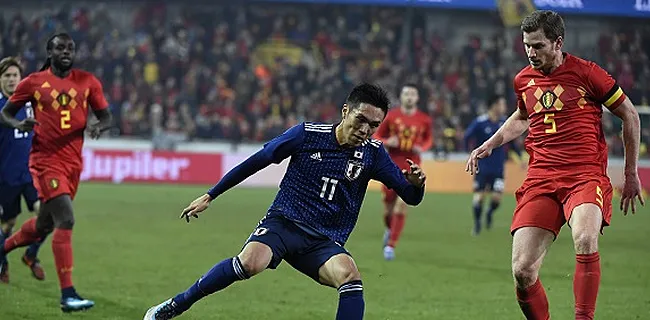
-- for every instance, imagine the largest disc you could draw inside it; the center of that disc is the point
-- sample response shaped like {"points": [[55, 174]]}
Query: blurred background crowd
{"points": [[246, 72]]}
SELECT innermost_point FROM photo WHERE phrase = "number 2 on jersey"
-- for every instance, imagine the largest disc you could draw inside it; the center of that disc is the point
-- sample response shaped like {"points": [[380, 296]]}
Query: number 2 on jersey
{"points": [[65, 119], [548, 119], [326, 183]]}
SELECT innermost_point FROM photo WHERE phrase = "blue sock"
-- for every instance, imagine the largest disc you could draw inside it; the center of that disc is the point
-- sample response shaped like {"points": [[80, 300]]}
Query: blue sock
{"points": [[3, 237], [477, 216], [351, 304], [32, 250], [219, 277], [493, 206]]}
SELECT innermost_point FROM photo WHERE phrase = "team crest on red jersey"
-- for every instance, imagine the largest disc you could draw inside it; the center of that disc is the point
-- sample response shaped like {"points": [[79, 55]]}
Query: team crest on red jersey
{"points": [[63, 99], [54, 183], [548, 98]]}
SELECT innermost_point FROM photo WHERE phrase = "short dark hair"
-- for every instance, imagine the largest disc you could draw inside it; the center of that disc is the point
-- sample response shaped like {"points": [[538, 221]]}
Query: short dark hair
{"points": [[411, 85], [8, 62], [370, 94], [550, 22], [492, 99]]}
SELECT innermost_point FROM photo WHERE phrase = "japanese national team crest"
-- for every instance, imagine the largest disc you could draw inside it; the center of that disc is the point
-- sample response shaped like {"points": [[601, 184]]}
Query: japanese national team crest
{"points": [[54, 183], [63, 99], [548, 99], [353, 170]]}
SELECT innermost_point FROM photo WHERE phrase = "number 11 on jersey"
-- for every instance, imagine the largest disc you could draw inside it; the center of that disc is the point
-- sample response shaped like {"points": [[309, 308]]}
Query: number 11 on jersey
{"points": [[331, 183]]}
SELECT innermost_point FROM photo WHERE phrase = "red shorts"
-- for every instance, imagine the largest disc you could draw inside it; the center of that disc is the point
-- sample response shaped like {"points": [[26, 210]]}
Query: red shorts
{"points": [[53, 181], [389, 194], [548, 202]]}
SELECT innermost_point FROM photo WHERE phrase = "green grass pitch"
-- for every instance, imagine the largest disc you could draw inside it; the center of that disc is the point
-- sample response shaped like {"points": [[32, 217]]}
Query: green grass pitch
{"points": [[132, 251]]}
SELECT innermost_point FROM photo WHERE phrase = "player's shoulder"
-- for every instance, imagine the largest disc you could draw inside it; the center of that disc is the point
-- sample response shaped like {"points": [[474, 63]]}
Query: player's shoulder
{"points": [[482, 118], [583, 66], [523, 74], [318, 127], [423, 116], [81, 74], [372, 143]]}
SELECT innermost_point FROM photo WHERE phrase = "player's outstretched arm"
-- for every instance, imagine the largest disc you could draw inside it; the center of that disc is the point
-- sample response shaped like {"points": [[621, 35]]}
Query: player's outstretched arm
{"points": [[514, 127], [409, 185], [631, 137], [8, 118], [274, 151]]}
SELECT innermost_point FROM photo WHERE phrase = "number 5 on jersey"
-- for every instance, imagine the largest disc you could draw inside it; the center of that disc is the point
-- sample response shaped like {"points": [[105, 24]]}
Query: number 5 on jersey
{"points": [[65, 119], [328, 183], [550, 120]]}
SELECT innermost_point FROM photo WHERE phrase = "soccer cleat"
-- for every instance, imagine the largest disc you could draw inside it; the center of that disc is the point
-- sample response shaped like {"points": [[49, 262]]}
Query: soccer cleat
{"points": [[389, 253], [164, 311], [386, 238], [35, 266], [4, 272], [75, 303]]}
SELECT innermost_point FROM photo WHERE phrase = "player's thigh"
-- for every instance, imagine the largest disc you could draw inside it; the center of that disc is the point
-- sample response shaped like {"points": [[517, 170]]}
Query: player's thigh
{"points": [[497, 185], [529, 246], [60, 208], [389, 198], [592, 201], [31, 197], [10, 203], [324, 261], [400, 206], [537, 210], [268, 244], [51, 184]]}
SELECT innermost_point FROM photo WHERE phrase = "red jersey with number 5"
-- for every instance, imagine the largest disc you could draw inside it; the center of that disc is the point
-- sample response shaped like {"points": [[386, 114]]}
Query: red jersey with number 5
{"points": [[564, 110], [411, 130], [61, 107]]}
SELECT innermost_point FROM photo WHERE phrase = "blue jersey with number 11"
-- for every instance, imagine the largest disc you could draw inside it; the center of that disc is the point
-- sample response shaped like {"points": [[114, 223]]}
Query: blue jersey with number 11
{"points": [[14, 151]]}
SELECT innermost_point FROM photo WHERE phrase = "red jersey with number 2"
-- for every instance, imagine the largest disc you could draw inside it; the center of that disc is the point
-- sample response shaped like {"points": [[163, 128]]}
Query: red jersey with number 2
{"points": [[411, 130], [564, 109], [61, 107]]}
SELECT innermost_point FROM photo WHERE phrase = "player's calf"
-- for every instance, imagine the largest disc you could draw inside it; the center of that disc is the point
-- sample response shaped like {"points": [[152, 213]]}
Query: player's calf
{"points": [[494, 205], [341, 272], [253, 259]]}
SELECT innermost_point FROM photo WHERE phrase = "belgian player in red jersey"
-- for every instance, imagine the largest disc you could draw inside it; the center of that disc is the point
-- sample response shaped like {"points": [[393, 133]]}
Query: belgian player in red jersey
{"points": [[406, 132], [560, 99], [61, 97]]}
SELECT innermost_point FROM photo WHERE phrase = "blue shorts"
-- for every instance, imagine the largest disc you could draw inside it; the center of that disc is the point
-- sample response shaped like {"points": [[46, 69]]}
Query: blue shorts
{"points": [[10, 199], [489, 181], [303, 251]]}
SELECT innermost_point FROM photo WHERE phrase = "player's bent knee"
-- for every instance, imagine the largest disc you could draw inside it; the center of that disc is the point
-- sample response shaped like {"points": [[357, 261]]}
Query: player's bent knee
{"points": [[586, 221], [338, 270], [255, 257], [478, 198], [524, 272], [63, 221]]}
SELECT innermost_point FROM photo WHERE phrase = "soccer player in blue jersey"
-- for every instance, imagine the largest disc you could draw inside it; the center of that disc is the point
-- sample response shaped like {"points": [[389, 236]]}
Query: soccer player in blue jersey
{"points": [[15, 179], [316, 207], [491, 169]]}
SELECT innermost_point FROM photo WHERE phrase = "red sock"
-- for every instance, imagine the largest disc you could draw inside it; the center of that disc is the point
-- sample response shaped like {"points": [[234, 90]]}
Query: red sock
{"points": [[396, 227], [25, 236], [585, 285], [533, 302], [62, 249], [387, 219]]}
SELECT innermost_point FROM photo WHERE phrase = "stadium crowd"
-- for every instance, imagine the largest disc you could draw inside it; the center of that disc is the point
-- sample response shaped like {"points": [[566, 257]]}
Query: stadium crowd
{"points": [[246, 73]]}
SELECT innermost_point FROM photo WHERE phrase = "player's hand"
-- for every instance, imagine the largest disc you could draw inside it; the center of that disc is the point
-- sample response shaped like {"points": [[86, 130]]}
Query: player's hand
{"points": [[392, 142], [481, 152], [95, 131], [27, 125], [631, 191], [197, 206], [414, 175]]}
